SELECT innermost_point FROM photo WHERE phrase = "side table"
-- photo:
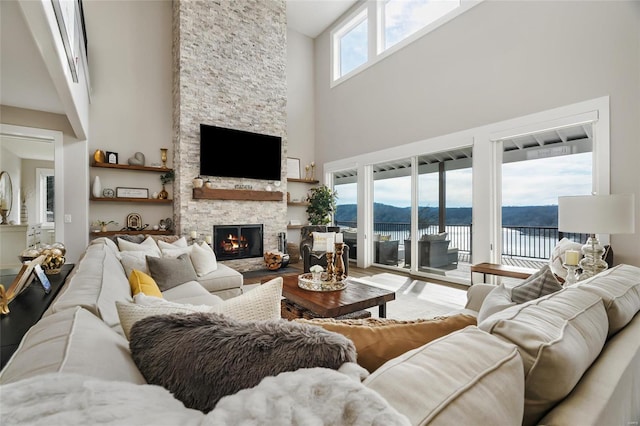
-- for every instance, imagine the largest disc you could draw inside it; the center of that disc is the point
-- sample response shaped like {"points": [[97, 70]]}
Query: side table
{"points": [[26, 309]]}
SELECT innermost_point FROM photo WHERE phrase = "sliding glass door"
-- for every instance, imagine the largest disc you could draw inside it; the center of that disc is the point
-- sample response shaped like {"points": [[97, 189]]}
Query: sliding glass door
{"points": [[345, 184]]}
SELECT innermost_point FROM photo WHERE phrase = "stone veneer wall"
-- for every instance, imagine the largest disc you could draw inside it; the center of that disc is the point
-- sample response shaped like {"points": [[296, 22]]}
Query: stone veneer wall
{"points": [[230, 71]]}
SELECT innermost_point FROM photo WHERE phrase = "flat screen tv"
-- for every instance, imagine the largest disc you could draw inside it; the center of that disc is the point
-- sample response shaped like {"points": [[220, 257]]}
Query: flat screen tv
{"points": [[235, 153]]}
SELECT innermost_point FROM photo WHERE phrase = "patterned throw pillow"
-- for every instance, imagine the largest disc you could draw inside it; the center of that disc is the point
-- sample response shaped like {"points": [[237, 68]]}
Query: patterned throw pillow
{"points": [[537, 285], [320, 240]]}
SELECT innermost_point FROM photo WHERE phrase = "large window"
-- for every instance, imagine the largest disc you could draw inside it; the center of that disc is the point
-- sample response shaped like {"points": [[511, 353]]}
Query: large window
{"points": [[377, 28], [45, 196]]}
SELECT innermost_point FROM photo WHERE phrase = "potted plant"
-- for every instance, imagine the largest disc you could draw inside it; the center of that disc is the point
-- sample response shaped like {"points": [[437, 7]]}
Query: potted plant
{"points": [[322, 204], [165, 179], [103, 224]]}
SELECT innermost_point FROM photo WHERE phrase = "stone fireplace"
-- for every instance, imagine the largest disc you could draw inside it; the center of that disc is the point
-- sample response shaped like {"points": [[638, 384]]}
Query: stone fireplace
{"points": [[229, 61]]}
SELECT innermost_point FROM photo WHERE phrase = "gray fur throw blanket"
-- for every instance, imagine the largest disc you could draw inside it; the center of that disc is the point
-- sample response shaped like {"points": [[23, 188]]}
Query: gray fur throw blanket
{"points": [[202, 357], [309, 397]]}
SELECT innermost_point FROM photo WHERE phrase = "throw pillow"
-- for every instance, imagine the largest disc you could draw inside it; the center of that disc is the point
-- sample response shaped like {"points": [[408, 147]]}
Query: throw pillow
{"points": [[203, 259], [378, 340], [169, 273], [498, 299], [557, 256], [174, 252], [149, 245], [230, 355], [537, 285], [180, 242], [262, 303], [143, 283], [321, 239], [131, 260]]}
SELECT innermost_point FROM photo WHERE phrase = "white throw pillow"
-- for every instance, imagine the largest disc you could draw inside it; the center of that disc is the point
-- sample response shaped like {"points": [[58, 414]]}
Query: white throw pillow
{"points": [[203, 259], [174, 252], [135, 260], [181, 242], [148, 245], [262, 303], [498, 299], [320, 240]]}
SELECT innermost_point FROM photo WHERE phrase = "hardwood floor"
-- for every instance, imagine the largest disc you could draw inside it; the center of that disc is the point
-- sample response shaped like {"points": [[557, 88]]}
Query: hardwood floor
{"points": [[415, 298]]}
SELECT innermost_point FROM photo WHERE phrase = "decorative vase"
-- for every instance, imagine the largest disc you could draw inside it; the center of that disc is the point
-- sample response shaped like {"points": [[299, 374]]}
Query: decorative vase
{"points": [[198, 182], [163, 195], [163, 157], [96, 189], [103, 228]]}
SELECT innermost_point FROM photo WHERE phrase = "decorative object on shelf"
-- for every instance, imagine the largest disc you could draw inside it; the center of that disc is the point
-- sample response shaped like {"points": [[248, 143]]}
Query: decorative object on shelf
{"points": [[165, 179], [208, 239], [307, 172], [249, 187], [197, 182], [134, 222], [4, 213], [313, 170], [108, 193], [137, 159], [322, 204], [166, 224], [24, 212], [155, 195], [596, 214], [194, 236], [125, 192], [98, 156], [28, 254], [268, 187], [96, 188], [103, 224], [293, 168], [6, 196], [112, 157], [208, 184], [53, 259], [163, 157], [572, 274]]}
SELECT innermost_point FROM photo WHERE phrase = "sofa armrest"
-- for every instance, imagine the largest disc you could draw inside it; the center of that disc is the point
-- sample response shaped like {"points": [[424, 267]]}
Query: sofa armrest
{"points": [[476, 294]]}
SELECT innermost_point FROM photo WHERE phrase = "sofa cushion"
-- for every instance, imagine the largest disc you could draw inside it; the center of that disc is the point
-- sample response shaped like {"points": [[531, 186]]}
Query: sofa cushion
{"points": [[98, 283], [539, 284], [143, 283], [168, 272], [619, 288], [72, 341], [174, 252], [262, 303], [378, 340], [231, 355], [191, 292], [148, 245], [467, 377], [179, 242], [203, 259], [558, 336], [131, 260], [223, 278]]}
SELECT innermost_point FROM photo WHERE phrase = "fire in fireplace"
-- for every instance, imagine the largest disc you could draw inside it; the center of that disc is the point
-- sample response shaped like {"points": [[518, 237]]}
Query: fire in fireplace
{"points": [[237, 241]]}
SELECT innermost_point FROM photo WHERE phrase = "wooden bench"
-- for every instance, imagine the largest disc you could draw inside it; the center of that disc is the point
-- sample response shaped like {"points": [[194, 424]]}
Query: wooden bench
{"points": [[500, 270]]}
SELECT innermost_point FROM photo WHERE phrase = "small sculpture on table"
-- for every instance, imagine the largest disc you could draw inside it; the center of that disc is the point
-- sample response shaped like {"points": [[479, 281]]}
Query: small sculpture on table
{"points": [[339, 263]]}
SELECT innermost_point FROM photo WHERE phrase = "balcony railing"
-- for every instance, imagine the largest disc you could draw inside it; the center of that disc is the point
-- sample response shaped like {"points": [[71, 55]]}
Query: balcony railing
{"points": [[532, 242]]}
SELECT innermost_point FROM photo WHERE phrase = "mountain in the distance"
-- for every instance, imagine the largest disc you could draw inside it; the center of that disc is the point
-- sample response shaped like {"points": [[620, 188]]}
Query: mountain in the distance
{"points": [[511, 215]]}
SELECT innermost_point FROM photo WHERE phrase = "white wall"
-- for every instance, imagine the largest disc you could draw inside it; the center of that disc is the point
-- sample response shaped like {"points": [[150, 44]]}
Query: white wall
{"points": [[29, 184], [499, 60], [131, 109], [10, 163], [300, 117]]}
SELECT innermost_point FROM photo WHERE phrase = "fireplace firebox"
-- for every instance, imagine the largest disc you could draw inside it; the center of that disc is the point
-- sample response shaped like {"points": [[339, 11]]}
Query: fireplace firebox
{"points": [[237, 241]]}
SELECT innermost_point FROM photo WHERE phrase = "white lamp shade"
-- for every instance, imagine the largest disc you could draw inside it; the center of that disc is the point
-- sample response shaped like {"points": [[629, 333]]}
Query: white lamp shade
{"points": [[597, 214]]}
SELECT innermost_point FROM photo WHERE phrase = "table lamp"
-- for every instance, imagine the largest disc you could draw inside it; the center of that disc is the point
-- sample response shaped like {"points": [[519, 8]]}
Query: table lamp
{"points": [[596, 214]]}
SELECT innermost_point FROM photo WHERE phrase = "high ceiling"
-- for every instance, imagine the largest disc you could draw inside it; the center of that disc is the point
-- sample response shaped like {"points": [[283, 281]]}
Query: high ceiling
{"points": [[312, 17]]}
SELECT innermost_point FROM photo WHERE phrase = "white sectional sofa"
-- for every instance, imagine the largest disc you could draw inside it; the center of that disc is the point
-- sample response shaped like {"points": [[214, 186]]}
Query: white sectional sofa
{"points": [[569, 358]]}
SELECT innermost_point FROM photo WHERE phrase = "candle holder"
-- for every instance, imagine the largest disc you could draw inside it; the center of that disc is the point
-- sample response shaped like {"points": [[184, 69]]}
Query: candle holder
{"points": [[572, 275], [330, 267], [339, 262], [163, 157]]}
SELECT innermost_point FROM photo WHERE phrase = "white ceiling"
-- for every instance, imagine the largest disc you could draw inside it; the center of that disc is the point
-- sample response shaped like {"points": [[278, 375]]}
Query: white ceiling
{"points": [[312, 17]]}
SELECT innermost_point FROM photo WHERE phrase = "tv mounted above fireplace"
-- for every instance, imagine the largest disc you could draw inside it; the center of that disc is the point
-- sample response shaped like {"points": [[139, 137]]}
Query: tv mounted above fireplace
{"points": [[246, 154]]}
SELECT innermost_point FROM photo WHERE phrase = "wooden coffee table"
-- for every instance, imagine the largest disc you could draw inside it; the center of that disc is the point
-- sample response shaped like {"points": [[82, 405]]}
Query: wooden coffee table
{"points": [[330, 304]]}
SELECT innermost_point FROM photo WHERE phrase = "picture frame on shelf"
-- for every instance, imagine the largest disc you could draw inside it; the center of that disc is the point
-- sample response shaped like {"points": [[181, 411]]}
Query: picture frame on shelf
{"points": [[134, 221], [293, 168], [126, 192], [112, 157]]}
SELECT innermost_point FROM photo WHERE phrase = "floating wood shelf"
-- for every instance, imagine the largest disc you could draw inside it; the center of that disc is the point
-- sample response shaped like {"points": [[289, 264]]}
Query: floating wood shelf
{"points": [[133, 200], [294, 226], [313, 181], [236, 194], [302, 203], [144, 231], [129, 167]]}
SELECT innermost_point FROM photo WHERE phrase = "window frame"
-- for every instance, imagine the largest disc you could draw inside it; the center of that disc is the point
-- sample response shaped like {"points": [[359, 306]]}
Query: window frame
{"points": [[374, 12], [41, 197]]}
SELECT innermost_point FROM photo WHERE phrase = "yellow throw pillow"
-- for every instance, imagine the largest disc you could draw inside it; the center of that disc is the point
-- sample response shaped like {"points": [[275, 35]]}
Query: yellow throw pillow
{"points": [[378, 340], [143, 283]]}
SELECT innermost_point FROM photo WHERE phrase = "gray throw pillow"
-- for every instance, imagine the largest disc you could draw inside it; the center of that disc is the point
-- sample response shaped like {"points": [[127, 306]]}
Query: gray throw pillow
{"points": [[169, 273], [540, 284], [202, 357]]}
